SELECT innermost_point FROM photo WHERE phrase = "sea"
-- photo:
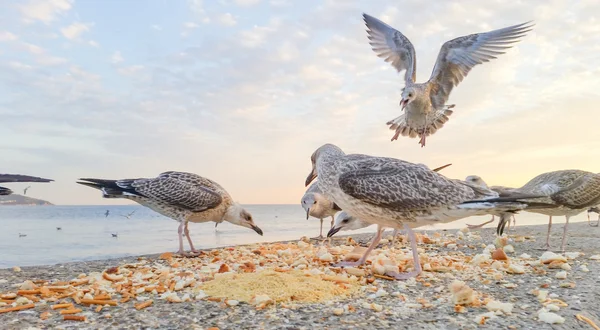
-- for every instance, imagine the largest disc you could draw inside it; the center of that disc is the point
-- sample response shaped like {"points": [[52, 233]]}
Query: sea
{"points": [[30, 235]]}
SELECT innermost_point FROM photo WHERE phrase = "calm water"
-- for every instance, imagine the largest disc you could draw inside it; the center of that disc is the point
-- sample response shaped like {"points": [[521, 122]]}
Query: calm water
{"points": [[86, 232]]}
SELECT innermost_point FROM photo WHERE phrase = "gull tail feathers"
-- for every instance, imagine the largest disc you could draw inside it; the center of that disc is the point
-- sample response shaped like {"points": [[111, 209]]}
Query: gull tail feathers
{"points": [[434, 122], [111, 188], [5, 191]]}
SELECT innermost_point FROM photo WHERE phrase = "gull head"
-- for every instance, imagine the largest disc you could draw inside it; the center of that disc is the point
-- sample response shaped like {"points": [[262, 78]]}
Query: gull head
{"points": [[594, 209], [345, 221], [308, 201], [323, 151], [477, 181], [237, 215], [409, 94]]}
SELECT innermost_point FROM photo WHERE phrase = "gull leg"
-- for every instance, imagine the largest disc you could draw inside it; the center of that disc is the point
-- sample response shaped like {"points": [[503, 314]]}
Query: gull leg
{"points": [[362, 259], [422, 141], [332, 221], [187, 235], [480, 225], [590, 221], [564, 239], [548, 235], [394, 234], [180, 232], [417, 263], [320, 232]]}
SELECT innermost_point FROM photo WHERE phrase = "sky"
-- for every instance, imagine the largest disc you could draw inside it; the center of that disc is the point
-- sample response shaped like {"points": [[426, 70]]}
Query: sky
{"points": [[243, 91]]}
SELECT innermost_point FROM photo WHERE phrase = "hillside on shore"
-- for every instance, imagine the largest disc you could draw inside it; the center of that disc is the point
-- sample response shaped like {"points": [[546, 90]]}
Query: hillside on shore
{"points": [[16, 199]]}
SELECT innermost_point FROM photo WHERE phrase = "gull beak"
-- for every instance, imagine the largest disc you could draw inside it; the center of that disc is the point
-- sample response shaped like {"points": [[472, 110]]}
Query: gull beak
{"points": [[403, 103], [333, 231], [307, 213], [256, 229], [311, 177]]}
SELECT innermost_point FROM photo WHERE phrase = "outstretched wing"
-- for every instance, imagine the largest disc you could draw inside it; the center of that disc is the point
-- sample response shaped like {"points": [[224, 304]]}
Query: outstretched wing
{"points": [[391, 45], [458, 56], [185, 190], [399, 185]]}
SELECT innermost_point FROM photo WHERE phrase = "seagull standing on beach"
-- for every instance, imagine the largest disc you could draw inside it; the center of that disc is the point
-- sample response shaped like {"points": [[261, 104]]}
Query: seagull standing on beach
{"points": [[394, 193], [345, 221], [316, 205], [596, 210], [5, 178], [567, 193], [425, 105], [184, 197], [501, 190]]}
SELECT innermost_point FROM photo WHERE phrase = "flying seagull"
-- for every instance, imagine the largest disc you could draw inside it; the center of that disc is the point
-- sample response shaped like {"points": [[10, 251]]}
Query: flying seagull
{"points": [[394, 193], [425, 105], [317, 206], [184, 197], [128, 216], [106, 213], [25, 190], [5, 178]]}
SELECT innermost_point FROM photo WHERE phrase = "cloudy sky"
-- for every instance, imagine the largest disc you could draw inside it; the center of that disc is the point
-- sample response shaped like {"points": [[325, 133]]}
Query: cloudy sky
{"points": [[243, 91]]}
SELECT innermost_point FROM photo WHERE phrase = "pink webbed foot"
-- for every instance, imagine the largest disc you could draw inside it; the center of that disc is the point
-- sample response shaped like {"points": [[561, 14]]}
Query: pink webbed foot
{"points": [[422, 141]]}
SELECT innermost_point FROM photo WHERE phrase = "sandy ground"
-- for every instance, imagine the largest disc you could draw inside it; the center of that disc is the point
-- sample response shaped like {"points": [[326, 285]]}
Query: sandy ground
{"points": [[395, 313]]}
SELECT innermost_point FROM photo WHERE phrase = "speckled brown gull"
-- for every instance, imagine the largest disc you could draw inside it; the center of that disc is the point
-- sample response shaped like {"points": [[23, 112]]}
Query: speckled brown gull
{"points": [[184, 197], [425, 103], [6, 178], [316, 205], [345, 221], [394, 193], [570, 192], [501, 190]]}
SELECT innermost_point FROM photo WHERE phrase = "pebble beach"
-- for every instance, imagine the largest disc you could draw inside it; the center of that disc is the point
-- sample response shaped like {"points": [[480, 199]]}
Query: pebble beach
{"points": [[471, 279]]}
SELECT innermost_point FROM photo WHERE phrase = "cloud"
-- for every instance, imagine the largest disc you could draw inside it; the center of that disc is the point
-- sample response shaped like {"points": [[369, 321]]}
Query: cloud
{"points": [[45, 11], [246, 3], [93, 43], [75, 30], [264, 95], [227, 19], [156, 27], [7, 36], [116, 57], [31, 48]]}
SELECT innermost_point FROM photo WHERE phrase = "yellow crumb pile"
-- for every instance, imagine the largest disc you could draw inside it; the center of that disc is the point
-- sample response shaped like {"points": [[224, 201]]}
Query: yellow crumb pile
{"points": [[279, 286]]}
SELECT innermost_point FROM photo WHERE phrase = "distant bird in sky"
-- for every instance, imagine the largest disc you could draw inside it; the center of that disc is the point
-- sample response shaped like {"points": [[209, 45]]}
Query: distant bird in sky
{"points": [[128, 216], [115, 235], [424, 104], [58, 228], [5, 178], [22, 235], [106, 213], [25, 190]]}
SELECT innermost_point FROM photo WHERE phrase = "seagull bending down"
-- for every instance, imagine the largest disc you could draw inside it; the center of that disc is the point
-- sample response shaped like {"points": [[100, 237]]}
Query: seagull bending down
{"points": [[184, 197], [394, 193], [317, 205], [425, 105]]}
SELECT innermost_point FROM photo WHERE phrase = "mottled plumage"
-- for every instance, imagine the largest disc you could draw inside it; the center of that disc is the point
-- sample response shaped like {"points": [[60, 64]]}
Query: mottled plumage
{"points": [[425, 103], [318, 206], [4, 178], [184, 197], [567, 192], [394, 193]]}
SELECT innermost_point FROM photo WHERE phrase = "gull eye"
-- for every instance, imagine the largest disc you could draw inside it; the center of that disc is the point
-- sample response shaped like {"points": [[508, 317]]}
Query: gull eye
{"points": [[409, 94], [345, 220]]}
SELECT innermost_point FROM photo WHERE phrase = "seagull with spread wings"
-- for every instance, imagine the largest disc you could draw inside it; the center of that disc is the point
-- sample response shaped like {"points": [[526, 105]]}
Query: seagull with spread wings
{"points": [[184, 197], [425, 105], [5, 178]]}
